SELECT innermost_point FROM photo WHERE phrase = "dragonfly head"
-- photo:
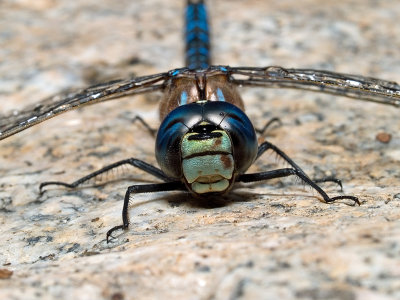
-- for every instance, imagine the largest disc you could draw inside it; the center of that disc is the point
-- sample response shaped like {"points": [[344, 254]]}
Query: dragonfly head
{"points": [[206, 144]]}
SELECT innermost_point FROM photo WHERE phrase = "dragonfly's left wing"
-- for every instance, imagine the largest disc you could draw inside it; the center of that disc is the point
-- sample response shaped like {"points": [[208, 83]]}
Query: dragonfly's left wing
{"points": [[58, 104], [353, 86]]}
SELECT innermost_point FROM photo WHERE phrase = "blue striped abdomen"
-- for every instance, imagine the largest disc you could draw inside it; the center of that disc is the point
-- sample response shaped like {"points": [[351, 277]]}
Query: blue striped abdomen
{"points": [[197, 36]]}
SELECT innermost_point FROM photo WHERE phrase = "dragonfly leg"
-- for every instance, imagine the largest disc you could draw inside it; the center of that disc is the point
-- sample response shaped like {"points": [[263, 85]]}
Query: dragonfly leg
{"points": [[143, 188], [278, 173], [265, 146], [130, 161], [330, 179], [268, 125], [139, 119]]}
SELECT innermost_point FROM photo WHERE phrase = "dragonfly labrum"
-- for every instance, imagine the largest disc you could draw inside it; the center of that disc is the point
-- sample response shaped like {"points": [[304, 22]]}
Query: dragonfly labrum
{"points": [[205, 143]]}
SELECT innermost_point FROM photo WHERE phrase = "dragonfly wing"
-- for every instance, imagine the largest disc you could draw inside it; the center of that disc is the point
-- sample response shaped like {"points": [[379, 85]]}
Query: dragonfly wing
{"points": [[58, 104], [352, 86]]}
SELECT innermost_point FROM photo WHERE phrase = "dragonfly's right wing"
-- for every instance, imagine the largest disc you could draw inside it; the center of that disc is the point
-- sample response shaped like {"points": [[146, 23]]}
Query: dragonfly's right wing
{"points": [[58, 104], [352, 86]]}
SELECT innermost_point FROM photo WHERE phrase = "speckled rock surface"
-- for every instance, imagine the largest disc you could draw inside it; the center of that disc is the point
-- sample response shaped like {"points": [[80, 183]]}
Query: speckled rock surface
{"points": [[266, 241]]}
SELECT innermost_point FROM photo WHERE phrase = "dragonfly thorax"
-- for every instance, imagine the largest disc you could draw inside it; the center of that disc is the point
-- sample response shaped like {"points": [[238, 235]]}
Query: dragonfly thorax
{"points": [[189, 86]]}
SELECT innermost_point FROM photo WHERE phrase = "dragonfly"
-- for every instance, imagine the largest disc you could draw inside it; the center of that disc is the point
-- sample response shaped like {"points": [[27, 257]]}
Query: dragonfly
{"points": [[205, 143]]}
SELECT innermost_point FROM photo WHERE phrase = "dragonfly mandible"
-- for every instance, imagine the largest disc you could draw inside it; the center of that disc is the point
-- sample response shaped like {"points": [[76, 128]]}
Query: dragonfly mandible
{"points": [[203, 119]]}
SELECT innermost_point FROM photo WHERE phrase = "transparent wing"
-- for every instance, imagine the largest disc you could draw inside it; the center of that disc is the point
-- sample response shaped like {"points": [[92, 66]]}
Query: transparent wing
{"points": [[353, 86], [58, 104]]}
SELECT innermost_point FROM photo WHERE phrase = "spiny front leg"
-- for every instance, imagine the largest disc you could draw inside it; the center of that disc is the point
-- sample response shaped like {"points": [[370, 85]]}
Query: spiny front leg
{"points": [[289, 172], [265, 146], [130, 161], [295, 170], [143, 188]]}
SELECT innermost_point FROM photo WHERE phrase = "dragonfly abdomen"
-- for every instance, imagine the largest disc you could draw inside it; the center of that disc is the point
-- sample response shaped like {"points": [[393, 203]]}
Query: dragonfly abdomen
{"points": [[197, 36]]}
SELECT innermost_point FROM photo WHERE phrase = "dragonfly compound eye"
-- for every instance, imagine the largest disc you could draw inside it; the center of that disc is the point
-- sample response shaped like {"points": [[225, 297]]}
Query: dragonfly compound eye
{"points": [[238, 126]]}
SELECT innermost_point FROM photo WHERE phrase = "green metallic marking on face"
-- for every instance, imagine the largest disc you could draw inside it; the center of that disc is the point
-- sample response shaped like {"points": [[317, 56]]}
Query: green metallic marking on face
{"points": [[207, 162], [218, 144], [199, 167]]}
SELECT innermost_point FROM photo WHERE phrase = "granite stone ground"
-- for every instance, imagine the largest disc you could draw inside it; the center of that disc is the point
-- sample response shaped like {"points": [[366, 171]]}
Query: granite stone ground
{"points": [[273, 240]]}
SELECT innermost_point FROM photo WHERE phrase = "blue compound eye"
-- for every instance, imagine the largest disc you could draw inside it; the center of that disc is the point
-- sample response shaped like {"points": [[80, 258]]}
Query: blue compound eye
{"points": [[175, 125]]}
